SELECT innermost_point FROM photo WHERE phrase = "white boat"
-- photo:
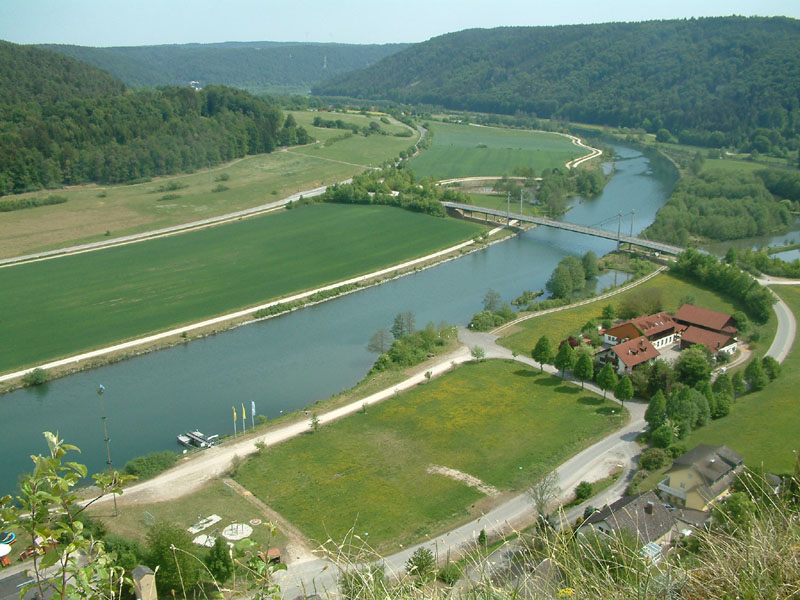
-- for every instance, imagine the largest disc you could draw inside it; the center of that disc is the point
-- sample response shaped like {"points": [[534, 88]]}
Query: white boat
{"points": [[196, 439]]}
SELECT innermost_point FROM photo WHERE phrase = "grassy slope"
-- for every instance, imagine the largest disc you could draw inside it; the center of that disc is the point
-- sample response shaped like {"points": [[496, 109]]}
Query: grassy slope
{"points": [[59, 307], [254, 180], [764, 426], [559, 325], [370, 469], [455, 151]]}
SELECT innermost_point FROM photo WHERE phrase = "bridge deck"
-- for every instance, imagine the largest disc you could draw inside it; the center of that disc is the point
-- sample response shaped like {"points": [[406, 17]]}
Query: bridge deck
{"points": [[602, 233]]}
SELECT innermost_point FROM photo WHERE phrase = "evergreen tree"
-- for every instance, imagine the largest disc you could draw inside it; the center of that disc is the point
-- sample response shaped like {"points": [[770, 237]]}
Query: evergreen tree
{"points": [[738, 384], [584, 367], [755, 376], [219, 560], [543, 352], [607, 378], [656, 413], [722, 405], [565, 359], [624, 389]]}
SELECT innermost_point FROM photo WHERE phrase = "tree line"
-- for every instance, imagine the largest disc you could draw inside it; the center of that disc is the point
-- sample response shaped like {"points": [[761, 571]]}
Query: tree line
{"points": [[90, 129]]}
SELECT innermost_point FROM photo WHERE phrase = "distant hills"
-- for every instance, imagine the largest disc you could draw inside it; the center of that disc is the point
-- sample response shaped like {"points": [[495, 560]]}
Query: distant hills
{"points": [[714, 81], [254, 66], [65, 122]]}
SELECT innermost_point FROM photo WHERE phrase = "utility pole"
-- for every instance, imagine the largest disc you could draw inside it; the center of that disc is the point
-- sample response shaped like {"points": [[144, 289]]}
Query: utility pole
{"points": [[520, 200], [100, 389], [508, 208]]}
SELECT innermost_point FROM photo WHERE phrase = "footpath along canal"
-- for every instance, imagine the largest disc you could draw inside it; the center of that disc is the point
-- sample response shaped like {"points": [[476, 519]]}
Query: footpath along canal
{"points": [[292, 361]]}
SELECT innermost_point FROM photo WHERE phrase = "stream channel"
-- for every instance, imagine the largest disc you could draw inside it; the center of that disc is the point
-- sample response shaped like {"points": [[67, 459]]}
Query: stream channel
{"points": [[292, 361]]}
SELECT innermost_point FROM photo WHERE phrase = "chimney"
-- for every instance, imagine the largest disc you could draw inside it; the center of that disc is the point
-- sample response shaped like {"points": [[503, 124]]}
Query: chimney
{"points": [[649, 508]]}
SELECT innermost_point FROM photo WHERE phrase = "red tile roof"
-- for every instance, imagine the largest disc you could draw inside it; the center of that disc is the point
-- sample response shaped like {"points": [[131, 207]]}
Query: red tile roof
{"points": [[651, 325], [702, 317], [635, 352], [711, 339]]}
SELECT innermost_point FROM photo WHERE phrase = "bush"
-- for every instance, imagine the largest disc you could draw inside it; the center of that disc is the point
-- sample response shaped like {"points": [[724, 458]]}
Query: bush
{"points": [[675, 450], [36, 377], [583, 491], [653, 458], [449, 574], [167, 197], [222, 177], [421, 563], [219, 188], [145, 467]]}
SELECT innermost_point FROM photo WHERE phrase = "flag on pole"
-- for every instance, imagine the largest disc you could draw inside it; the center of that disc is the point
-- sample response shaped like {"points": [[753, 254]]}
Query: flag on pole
{"points": [[234, 420], [253, 413], [244, 418], [234, 412]]}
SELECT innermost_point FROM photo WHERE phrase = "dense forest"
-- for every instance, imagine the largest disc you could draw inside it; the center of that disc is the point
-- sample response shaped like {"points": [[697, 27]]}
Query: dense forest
{"points": [[254, 66], [729, 81], [719, 205], [63, 122]]}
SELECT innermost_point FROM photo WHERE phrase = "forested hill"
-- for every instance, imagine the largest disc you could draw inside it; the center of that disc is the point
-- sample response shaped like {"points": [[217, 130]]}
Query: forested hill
{"points": [[254, 66], [63, 122], [694, 78]]}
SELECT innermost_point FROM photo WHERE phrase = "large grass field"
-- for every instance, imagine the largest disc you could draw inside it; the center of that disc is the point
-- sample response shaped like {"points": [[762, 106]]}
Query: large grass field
{"points": [[672, 289], [458, 151], [499, 421], [764, 426], [74, 303], [91, 211]]}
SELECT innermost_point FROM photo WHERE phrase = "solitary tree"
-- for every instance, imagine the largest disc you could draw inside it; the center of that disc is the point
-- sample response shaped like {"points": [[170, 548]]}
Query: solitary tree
{"points": [[491, 301], [543, 352], [478, 353], [398, 327], [314, 423], [544, 492], [565, 359], [421, 563], [380, 342], [624, 389], [607, 378], [584, 367]]}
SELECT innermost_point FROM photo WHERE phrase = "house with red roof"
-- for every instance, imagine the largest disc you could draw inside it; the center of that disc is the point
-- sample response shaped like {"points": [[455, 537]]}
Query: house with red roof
{"points": [[715, 330], [629, 354]]}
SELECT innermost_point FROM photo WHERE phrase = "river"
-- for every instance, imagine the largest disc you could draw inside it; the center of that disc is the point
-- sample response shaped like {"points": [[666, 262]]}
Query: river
{"points": [[295, 360]]}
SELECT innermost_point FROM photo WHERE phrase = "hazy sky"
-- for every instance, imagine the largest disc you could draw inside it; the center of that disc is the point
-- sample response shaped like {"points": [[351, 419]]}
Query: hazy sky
{"points": [[144, 22]]}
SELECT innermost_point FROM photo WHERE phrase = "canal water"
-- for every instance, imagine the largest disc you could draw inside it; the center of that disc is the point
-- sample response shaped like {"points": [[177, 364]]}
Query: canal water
{"points": [[292, 361]]}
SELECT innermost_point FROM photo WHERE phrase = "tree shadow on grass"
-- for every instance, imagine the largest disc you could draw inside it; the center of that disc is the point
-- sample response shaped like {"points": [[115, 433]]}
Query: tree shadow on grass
{"points": [[568, 389], [590, 400], [526, 373], [548, 381], [608, 411]]}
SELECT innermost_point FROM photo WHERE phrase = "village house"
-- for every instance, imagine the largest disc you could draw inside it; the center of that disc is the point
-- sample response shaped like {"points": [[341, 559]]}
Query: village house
{"points": [[629, 354], [643, 516], [701, 476], [715, 330]]}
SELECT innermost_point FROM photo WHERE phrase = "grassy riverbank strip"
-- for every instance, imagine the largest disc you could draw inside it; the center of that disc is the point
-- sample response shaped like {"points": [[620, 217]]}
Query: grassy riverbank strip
{"points": [[77, 303]]}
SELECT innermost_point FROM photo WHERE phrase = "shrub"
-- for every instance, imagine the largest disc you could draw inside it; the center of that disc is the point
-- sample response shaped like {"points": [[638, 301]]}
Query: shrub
{"points": [[222, 177], [219, 188], [653, 458], [36, 377], [167, 197], [449, 574], [150, 465], [421, 563], [583, 491]]}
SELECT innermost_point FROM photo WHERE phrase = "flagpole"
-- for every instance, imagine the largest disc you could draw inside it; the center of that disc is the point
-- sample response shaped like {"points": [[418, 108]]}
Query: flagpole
{"points": [[252, 414], [244, 419], [234, 421]]}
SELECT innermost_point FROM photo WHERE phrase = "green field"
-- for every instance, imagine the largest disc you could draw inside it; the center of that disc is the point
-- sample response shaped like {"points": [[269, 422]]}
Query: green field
{"points": [[75, 303], [764, 426], [561, 324], [456, 153], [91, 211], [499, 421]]}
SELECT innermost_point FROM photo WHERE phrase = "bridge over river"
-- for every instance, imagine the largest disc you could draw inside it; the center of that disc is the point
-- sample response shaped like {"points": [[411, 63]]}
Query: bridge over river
{"points": [[602, 233]]}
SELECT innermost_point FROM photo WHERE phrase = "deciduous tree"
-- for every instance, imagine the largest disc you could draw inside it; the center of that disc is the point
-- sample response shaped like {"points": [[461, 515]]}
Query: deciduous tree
{"points": [[607, 378], [565, 359], [543, 352], [584, 367]]}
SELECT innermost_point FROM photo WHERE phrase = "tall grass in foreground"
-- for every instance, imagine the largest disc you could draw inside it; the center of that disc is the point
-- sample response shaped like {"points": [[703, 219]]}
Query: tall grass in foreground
{"points": [[758, 561]]}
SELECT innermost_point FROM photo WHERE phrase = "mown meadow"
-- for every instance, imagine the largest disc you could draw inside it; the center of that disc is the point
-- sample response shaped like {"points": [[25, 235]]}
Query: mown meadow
{"points": [[499, 421], [469, 150], [74, 303], [94, 213]]}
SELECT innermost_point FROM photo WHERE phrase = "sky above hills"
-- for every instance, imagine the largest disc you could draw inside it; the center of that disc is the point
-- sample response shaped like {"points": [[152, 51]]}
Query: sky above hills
{"points": [[146, 22]]}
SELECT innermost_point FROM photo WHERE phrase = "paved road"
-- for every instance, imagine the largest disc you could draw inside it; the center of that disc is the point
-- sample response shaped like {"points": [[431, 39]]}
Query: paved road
{"points": [[787, 325]]}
